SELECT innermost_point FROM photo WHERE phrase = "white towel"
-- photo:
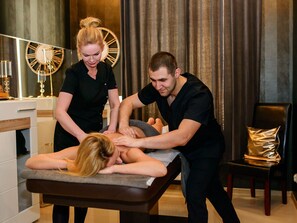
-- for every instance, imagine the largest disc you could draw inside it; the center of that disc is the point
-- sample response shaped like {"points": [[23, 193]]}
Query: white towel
{"points": [[166, 156]]}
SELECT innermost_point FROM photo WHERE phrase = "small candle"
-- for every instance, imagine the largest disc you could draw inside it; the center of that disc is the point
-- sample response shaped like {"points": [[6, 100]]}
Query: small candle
{"points": [[5, 68], [1, 69], [9, 72], [41, 78]]}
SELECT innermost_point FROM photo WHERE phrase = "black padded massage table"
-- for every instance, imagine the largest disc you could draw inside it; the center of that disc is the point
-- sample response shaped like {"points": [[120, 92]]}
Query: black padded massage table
{"points": [[134, 203], [132, 195]]}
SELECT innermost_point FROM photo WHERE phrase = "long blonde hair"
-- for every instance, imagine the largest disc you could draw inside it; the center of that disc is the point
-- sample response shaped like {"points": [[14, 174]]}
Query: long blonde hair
{"points": [[93, 154], [89, 33]]}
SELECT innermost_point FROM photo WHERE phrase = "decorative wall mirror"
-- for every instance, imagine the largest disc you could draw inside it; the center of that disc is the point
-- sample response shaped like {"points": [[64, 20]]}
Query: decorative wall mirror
{"points": [[43, 57], [27, 59]]}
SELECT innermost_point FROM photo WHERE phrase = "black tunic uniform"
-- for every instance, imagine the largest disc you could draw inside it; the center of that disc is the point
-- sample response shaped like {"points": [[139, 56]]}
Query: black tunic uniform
{"points": [[195, 102], [89, 99]]}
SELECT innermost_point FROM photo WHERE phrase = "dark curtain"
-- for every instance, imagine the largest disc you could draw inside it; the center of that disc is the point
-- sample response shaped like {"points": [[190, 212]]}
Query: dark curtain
{"points": [[243, 83], [216, 40]]}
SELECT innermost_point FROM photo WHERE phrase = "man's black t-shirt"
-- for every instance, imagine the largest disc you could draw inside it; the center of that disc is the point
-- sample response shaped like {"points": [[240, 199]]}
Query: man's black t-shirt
{"points": [[195, 102]]}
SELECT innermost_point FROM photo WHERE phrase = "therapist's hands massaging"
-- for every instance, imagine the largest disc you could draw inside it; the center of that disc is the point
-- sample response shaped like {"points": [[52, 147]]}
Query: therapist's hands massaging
{"points": [[98, 154]]}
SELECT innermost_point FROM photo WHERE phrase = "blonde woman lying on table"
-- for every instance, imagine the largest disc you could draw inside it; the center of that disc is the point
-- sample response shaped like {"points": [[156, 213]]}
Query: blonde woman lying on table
{"points": [[98, 154]]}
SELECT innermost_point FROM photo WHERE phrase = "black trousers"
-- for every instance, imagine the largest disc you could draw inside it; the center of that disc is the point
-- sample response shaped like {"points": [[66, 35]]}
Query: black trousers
{"points": [[204, 182], [62, 140], [61, 214]]}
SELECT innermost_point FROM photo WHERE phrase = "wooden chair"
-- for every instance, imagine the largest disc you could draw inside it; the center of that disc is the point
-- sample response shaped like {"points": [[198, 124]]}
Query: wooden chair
{"points": [[265, 116]]}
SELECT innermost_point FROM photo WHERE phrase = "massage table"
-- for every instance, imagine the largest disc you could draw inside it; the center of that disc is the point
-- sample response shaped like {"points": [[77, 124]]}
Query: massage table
{"points": [[136, 197]]}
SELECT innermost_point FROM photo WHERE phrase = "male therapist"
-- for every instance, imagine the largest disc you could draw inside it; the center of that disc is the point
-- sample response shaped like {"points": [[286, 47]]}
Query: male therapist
{"points": [[186, 104]]}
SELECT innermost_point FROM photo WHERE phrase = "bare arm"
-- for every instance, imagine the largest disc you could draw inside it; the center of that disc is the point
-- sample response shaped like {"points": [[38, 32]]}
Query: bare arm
{"points": [[178, 137], [52, 160], [138, 163], [126, 108], [114, 104], [64, 119]]}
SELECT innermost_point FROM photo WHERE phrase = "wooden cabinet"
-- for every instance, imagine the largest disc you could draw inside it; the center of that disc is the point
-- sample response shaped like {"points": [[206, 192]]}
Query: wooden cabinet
{"points": [[17, 204], [46, 123]]}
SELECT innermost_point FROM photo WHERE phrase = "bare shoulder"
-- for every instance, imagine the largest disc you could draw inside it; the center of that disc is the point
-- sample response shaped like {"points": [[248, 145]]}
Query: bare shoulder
{"points": [[113, 136]]}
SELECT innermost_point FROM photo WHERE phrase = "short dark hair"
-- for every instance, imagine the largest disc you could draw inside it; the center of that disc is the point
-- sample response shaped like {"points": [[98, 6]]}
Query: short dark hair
{"points": [[163, 59]]}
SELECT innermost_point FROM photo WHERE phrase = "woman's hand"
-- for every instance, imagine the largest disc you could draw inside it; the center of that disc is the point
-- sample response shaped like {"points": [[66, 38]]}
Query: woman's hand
{"points": [[109, 131]]}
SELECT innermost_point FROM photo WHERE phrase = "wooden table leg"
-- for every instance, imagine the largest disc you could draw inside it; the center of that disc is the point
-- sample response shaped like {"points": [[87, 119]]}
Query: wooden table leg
{"points": [[134, 217]]}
